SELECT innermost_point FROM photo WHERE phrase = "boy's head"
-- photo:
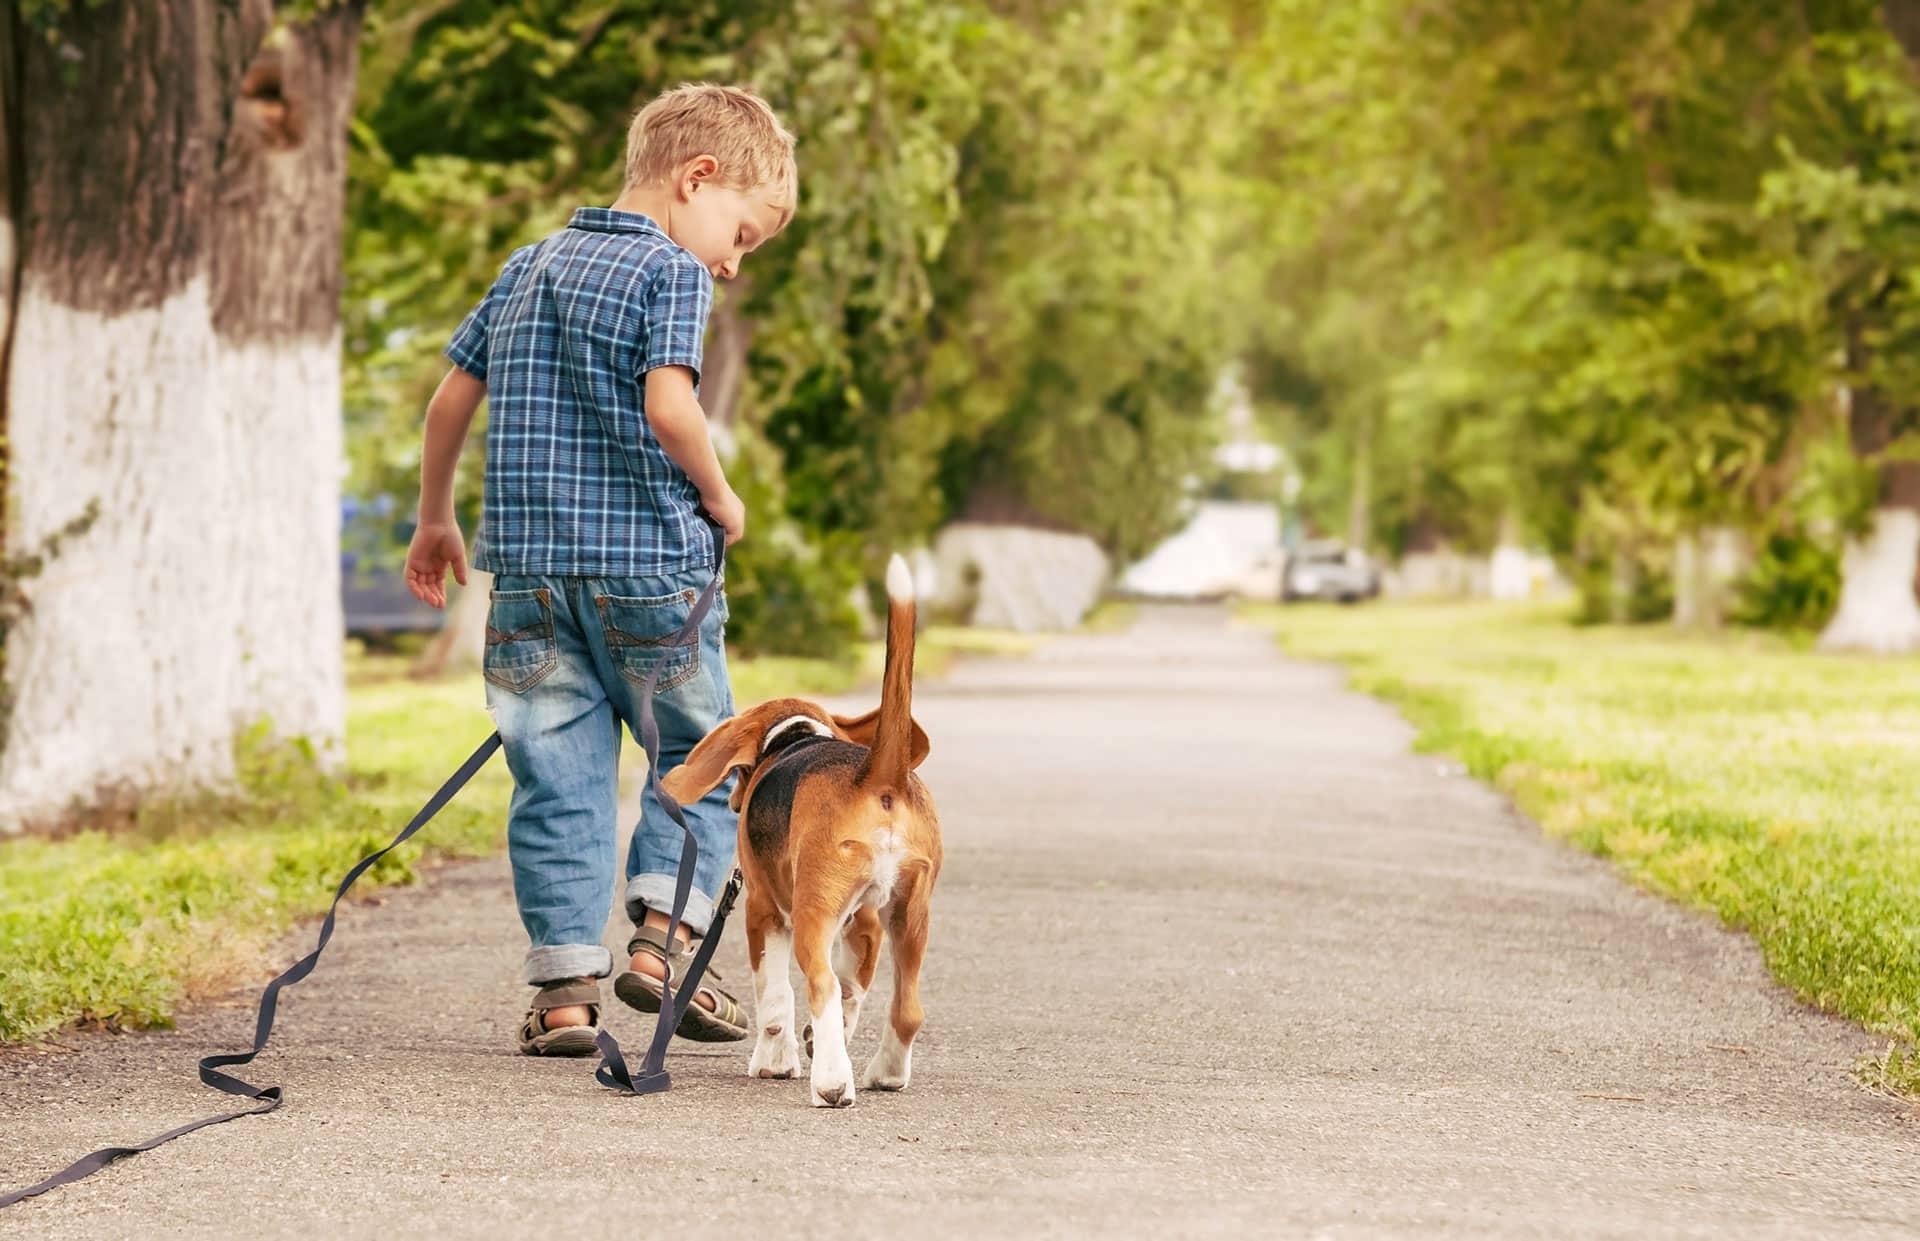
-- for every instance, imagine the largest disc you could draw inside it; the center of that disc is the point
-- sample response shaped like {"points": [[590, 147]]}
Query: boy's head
{"points": [[723, 163]]}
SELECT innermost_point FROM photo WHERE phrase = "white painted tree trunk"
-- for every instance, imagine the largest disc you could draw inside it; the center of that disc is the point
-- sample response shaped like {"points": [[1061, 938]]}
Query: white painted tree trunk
{"points": [[1509, 569], [175, 356], [1878, 612], [279, 405], [207, 594], [1707, 565]]}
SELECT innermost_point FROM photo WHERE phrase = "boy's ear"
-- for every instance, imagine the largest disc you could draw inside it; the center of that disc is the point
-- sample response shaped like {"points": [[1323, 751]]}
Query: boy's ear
{"points": [[730, 747], [698, 170], [859, 729]]}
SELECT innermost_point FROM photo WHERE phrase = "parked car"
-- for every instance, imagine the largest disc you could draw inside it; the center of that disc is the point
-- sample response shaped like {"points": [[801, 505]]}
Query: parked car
{"points": [[373, 594], [1329, 571]]}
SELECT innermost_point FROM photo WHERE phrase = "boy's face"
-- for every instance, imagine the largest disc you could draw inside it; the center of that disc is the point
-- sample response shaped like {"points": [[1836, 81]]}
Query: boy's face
{"points": [[721, 226]]}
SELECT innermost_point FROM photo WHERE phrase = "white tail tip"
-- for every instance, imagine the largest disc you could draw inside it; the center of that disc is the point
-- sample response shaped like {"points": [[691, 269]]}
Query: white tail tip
{"points": [[899, 580]]}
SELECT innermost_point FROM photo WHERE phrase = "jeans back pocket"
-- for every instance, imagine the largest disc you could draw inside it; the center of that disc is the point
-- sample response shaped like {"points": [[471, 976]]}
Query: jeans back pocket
{"points": [[640, 635], [520, 647]]}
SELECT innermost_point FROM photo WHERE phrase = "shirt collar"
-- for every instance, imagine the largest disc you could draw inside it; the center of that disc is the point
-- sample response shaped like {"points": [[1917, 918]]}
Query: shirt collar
{"points": [[607, 220]]}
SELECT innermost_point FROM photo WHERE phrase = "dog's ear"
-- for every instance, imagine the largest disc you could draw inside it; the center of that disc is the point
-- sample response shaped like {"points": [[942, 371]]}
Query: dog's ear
{"points": [[859, 729], [731, 746]]}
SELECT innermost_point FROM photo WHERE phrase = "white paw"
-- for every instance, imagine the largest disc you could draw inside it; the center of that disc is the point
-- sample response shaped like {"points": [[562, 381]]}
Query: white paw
{"points": [[879, 1077], [833, 1081], [891, 1067], [775, 1055]]}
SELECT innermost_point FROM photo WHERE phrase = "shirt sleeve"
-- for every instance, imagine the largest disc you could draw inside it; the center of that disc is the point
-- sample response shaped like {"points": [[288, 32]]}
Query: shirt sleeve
{"points": [[468, 348], [677, 302]]}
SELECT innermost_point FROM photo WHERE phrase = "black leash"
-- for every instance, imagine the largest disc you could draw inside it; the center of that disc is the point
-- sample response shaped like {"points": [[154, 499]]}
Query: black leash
{"points": [[612, 1071], [653, 1070]]}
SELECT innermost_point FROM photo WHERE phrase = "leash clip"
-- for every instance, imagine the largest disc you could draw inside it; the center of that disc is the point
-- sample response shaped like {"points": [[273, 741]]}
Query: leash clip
{"points": [[729, 894]]}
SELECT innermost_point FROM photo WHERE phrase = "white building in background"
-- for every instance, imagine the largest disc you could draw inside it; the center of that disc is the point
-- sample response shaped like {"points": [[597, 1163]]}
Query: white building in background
{"points": [[1227, 546], [1011, 575], [1225, 543]]}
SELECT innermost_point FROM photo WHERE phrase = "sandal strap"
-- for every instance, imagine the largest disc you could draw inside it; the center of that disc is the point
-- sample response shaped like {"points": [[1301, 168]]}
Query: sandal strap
{"points": [[655, 940], [725, 1007], [534, 1024], [565, 994]]}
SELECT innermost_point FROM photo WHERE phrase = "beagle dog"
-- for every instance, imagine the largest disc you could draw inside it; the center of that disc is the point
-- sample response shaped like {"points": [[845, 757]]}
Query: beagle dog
{"points": [[838, 839]]}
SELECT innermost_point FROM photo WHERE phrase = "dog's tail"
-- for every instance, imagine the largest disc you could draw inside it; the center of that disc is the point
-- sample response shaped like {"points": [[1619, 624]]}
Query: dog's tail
{"points": [[891, 757]]}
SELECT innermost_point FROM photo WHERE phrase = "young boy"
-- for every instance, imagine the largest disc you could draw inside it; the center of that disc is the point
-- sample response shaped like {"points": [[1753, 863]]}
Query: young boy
{"points": [[588, 349]]}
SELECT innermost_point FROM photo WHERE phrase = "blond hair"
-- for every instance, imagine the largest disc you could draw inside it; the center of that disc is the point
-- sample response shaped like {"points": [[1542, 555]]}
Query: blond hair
{"points": [[734, 126]]}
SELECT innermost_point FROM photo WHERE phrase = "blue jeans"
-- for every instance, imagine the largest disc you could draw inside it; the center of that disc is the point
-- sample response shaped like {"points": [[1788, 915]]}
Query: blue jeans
{"points": [[565, 658]]}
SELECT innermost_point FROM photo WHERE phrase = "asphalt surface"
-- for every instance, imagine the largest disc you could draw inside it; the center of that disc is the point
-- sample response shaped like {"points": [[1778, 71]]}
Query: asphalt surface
{"points": [[1214, 954]]}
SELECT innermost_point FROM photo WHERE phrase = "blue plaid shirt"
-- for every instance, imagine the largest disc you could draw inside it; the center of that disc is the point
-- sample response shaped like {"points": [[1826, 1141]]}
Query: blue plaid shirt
{"points": [[576, 482]]}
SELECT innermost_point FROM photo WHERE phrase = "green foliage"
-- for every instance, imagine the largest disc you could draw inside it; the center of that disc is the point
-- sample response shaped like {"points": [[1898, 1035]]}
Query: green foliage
{"points": [[1599, 266], [1794, 584], [188, 897], [1740, 774], [1000, 275]]}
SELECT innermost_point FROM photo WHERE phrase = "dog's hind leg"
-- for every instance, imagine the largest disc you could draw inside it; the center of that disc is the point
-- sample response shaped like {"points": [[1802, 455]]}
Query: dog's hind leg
{"points": [[816, 921], [776, 1052], [907, 923], [856, 955]]}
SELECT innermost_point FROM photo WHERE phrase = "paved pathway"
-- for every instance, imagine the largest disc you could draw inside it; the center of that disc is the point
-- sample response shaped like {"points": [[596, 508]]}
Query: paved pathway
{"points": [[1214, 955]]}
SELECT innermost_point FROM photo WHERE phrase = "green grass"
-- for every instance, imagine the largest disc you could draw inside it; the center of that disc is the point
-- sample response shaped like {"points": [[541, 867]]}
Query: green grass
{"points": [[183, 900], [1111, 616], [122, 926], [1741, 773]]}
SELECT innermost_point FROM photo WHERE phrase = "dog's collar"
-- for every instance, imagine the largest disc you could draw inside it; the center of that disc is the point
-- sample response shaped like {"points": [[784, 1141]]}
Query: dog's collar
{"points": [[785, 728], [782, 740]]}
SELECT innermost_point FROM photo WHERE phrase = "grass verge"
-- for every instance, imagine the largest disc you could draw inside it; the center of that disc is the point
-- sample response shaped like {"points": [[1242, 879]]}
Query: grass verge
{"points": [[1739, 773], [121, 927]]}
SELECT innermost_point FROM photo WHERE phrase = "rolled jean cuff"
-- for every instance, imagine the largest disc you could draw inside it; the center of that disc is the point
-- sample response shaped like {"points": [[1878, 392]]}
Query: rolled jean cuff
{"points": [[557, 961], [655, 892]]}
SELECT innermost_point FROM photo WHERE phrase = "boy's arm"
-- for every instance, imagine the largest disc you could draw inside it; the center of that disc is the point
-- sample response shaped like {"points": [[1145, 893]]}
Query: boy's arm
{"points": [[437, 543], [680, 425]]}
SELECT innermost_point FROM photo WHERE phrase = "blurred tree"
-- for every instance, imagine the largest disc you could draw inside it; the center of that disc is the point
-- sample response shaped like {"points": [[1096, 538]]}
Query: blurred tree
{"points": [[1598, 266], [171, 354], [999, 276]]}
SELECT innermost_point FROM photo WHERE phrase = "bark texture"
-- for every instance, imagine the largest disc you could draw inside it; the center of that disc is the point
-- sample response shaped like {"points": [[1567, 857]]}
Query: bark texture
{"points": [[175, 354]]}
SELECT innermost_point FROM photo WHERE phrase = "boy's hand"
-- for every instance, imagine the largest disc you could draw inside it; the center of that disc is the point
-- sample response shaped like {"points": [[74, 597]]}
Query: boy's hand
{"points": [[435, 546], [725, 507]]}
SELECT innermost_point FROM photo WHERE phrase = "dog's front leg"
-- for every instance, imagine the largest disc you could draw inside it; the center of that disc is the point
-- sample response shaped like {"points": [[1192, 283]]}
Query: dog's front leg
{"points": [[813, 934], [776, 1052]]}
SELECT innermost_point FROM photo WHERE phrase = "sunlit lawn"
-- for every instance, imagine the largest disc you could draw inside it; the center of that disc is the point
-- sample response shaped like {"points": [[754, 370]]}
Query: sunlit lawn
{"points": [[1742, 773], [122, 926]]}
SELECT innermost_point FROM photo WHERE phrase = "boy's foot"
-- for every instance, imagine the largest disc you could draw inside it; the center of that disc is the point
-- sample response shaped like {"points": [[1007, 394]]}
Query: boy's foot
{"points": [[712, 1017], [563, 1020]]}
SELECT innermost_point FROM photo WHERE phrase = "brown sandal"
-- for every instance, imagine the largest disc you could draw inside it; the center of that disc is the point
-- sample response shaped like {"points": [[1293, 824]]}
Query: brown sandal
{"points": [[726, 1023], [537, 1040]]}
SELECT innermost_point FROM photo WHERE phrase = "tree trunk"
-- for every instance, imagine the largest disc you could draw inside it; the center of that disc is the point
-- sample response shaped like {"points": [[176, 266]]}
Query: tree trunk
{"points": [[462, 641], [1509, 569], [175, 355], [1360, 498], [1903, 19], [726, 363], [1623, 580], [1878, 611], [1707, 565]]}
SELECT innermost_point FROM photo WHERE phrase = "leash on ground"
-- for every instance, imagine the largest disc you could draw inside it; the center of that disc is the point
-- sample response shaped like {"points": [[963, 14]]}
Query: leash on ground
{"points": [[613, 1071]]}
